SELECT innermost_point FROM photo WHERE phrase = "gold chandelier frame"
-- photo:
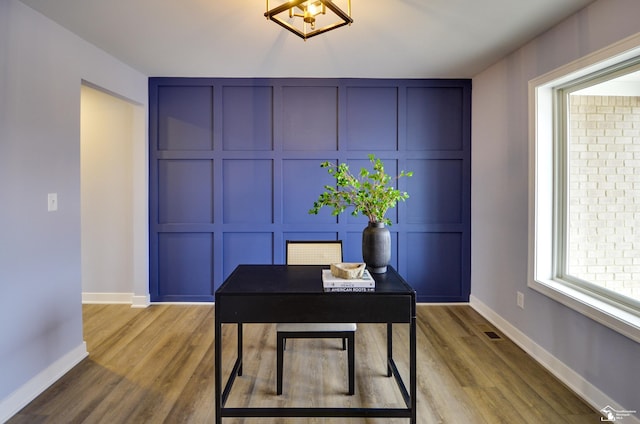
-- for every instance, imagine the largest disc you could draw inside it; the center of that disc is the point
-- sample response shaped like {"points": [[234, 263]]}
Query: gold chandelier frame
{"points": [[308, 10]]}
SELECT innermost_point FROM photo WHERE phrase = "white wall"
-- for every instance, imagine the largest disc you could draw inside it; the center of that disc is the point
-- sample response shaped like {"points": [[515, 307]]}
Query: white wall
{"points": [[598, 362], [106, 186], [41, 69]]}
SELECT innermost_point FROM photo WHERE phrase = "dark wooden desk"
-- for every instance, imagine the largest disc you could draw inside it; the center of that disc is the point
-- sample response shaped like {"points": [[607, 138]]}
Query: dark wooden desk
{"points": [[294, 293]]}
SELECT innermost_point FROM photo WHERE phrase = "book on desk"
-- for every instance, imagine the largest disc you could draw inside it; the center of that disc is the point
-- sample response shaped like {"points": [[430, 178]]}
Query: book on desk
{"points": [[332, 283], [349, 289]]}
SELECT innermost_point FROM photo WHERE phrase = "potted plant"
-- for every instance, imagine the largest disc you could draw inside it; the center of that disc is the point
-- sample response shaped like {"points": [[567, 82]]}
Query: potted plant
{"points": [[370, 193]]}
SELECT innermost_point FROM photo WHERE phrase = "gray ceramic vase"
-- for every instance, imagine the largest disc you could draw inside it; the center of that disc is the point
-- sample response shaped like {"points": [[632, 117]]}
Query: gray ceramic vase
{"points": [[376, 247]]}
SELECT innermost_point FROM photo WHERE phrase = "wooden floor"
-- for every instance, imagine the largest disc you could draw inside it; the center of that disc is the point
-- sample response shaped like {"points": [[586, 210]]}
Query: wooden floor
{"points": [[155, 365]]}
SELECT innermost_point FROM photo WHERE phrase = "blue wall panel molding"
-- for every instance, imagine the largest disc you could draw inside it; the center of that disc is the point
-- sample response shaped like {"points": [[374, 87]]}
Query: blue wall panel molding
{"points": [[235, 166]]}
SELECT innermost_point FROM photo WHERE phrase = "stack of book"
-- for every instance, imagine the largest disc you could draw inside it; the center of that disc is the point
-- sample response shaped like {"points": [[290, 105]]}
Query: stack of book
{"points": [[332, 283]]}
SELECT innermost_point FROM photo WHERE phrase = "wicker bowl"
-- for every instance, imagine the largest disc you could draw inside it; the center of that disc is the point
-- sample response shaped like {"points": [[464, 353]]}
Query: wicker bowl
{"points": [[347, 270]]}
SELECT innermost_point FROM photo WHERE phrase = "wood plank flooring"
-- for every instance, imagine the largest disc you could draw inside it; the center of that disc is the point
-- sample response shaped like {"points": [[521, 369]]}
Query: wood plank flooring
{"points": [[155, 365]]}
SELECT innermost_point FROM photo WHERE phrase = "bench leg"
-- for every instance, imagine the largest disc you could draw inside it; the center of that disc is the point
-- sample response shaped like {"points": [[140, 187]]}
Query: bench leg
{"points": [[351, 358], [279, 363], [348, 344]]}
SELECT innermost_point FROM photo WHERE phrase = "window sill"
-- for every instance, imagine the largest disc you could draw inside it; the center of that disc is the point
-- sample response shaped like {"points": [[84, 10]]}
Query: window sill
{"points": [[605, 313]]}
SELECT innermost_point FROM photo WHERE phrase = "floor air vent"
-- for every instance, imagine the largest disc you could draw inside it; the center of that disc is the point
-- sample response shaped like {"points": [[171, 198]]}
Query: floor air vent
{"points": [[492, 335]]}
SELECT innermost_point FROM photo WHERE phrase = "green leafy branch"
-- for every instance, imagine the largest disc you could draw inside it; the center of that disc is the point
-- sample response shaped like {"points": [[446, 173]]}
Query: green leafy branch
{"points": [[369, 193]]}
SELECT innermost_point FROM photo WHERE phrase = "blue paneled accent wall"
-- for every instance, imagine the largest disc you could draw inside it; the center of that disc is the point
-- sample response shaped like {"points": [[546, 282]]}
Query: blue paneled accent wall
{"points": [[235, 167]]}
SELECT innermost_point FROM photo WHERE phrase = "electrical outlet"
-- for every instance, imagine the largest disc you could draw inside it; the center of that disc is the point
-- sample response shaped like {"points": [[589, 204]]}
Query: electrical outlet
{"points": [[520, 300], [52, 202]]}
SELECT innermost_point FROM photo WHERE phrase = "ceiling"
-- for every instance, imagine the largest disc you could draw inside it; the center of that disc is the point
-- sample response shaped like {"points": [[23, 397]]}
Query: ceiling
{"points": [[231, 38]]}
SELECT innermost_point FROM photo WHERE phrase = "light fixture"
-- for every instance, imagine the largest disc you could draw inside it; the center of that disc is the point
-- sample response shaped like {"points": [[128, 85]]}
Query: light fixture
{"points": [[308, 18]]}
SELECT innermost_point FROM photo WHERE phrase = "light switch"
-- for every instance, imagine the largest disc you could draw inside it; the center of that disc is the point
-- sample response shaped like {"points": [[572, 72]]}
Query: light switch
{"points": [[52, 202]]}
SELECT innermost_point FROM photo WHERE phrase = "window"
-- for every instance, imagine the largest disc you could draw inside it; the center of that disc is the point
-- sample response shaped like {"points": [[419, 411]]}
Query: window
{"points": [[585, 186], [602, 185]]}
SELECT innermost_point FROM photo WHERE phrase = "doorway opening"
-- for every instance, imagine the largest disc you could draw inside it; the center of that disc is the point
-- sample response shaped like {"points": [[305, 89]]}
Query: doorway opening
{"points": [[113, 187]]}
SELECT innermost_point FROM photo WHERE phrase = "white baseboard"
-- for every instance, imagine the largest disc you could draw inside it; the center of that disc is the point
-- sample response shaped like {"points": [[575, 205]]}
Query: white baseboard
{"points": [[116, 298], [140, 301], [587, 391], [38, 384], [107, 297]]}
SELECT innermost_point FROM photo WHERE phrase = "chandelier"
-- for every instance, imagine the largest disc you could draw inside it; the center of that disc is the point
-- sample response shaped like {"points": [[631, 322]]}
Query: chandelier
{"points": [[308, 18]]}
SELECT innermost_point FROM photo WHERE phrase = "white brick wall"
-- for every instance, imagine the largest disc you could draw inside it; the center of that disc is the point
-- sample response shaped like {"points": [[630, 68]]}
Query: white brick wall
{"points": [[604, 202]]}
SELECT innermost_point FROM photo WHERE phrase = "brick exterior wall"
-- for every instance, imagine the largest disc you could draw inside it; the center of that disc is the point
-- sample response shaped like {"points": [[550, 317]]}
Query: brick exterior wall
{"points": [[604, 158]]}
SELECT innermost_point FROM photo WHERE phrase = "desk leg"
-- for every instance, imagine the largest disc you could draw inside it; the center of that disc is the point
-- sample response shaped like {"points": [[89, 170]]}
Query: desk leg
{"points": [[413, 371], [218, 370], [240, 347], [352, 362], [389, 348]]}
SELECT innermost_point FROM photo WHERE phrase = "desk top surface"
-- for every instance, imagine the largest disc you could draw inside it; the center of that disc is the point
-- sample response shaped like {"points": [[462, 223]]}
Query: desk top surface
{"points": [[300, 279]]}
